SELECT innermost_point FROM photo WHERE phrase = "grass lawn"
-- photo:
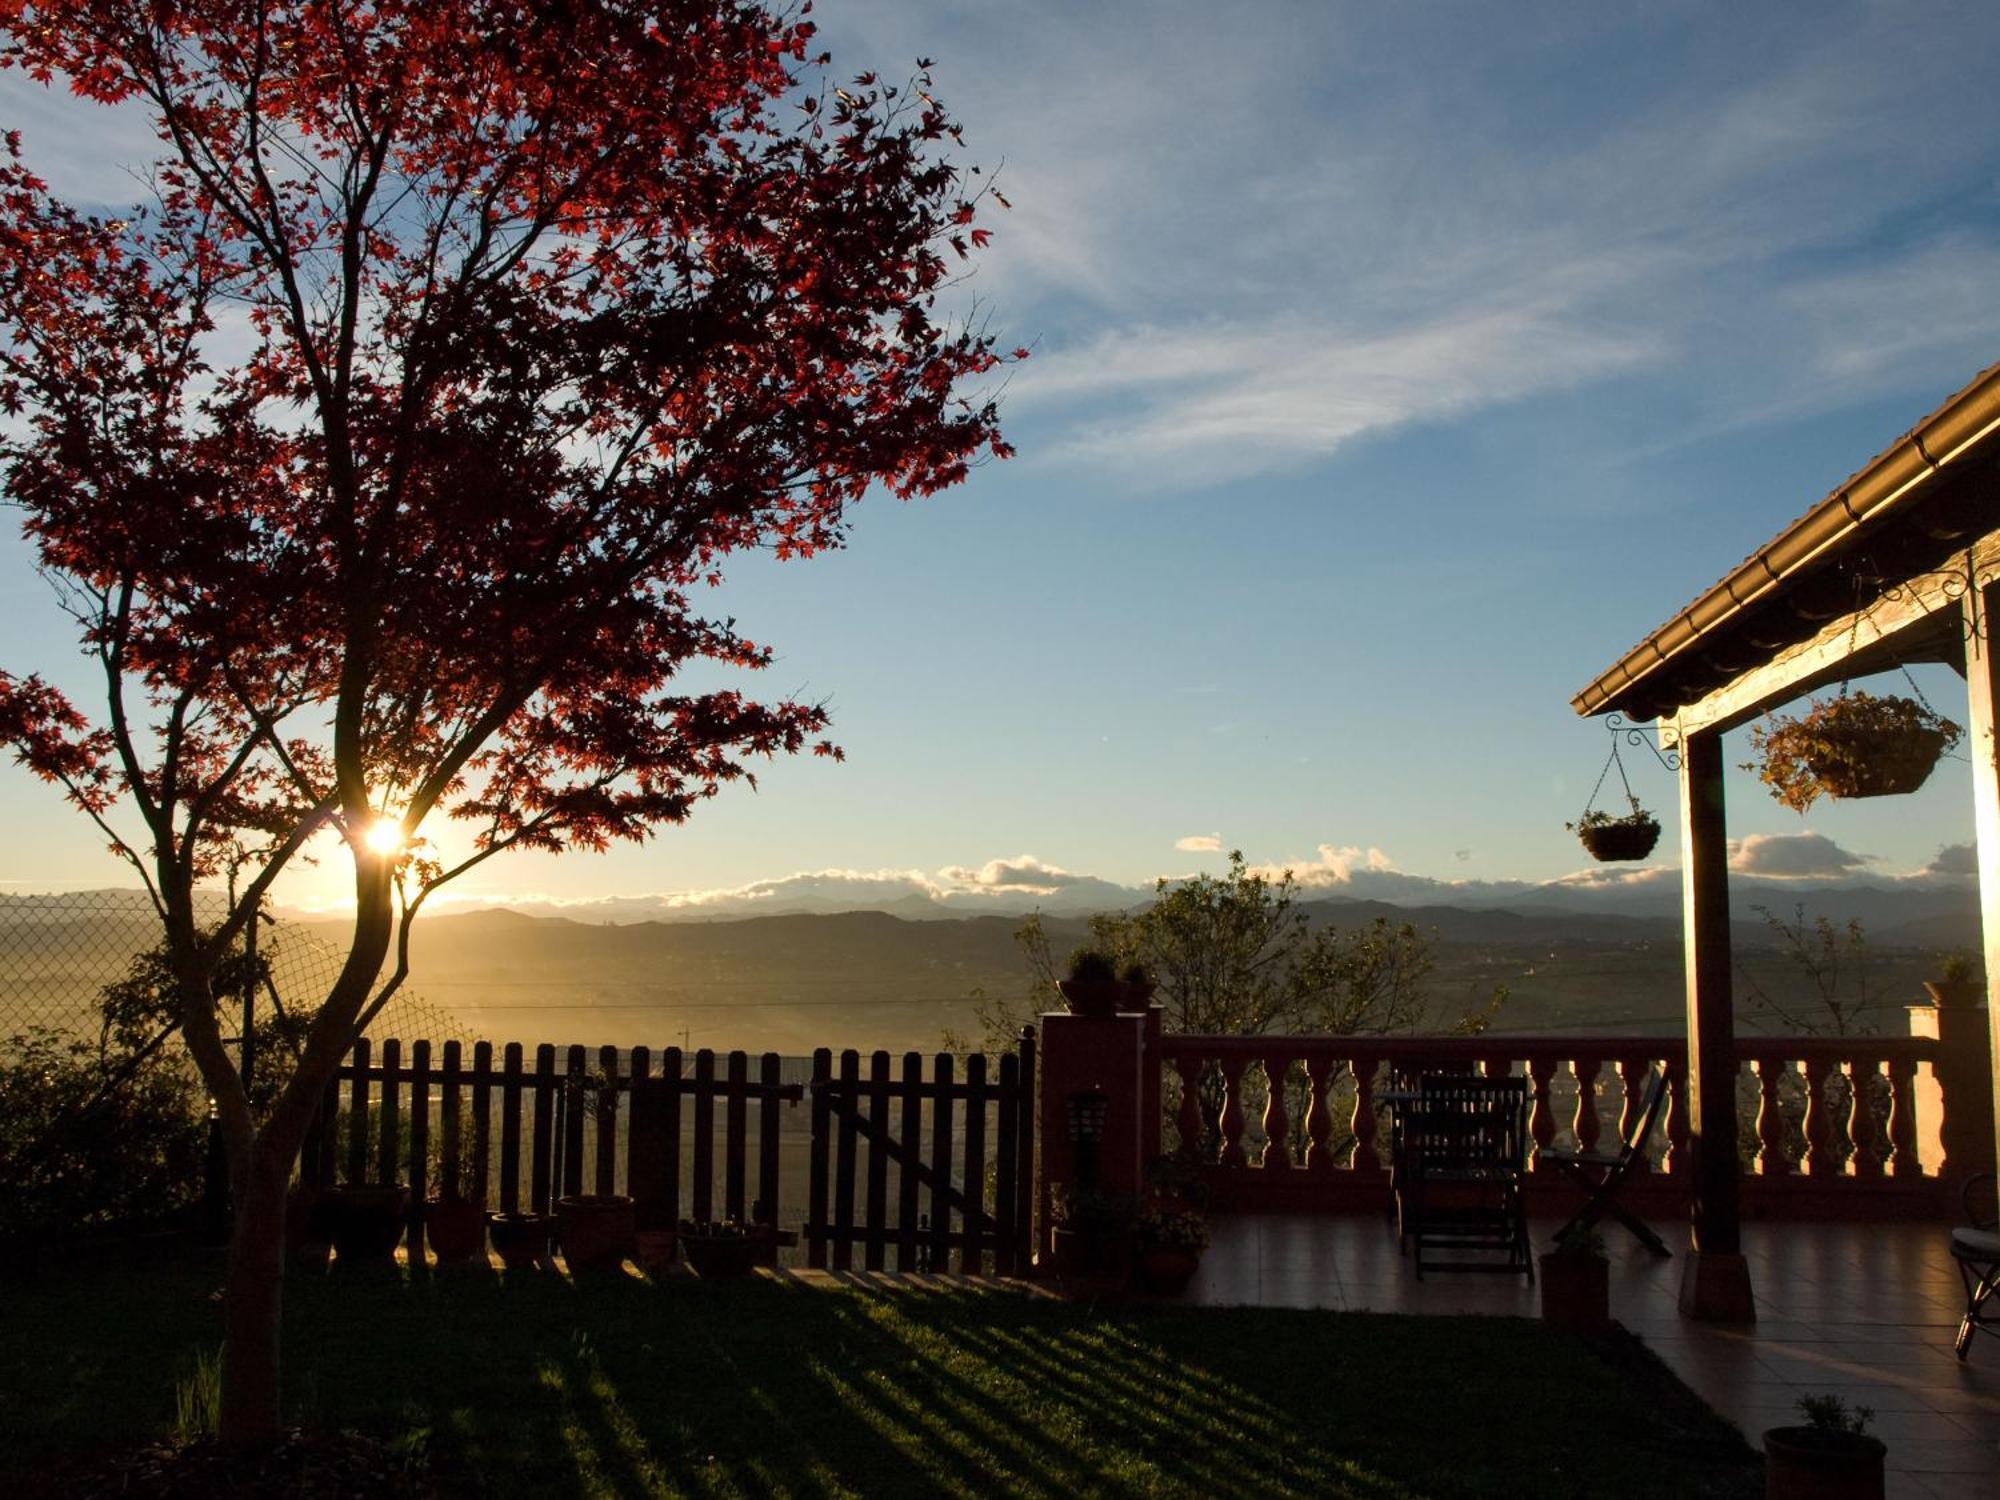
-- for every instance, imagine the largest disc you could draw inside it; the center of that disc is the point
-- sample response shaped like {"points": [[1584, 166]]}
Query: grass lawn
{"points": [[535, 1386]]}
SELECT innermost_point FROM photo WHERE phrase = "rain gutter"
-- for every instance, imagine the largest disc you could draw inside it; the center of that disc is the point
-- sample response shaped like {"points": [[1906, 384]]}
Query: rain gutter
{"points": [[1944, 437]]}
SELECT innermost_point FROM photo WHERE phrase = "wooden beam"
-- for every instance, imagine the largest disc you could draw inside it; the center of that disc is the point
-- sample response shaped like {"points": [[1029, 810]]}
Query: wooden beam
{"points": [[1982, 679], [1715, 1284], [1888, 631]]}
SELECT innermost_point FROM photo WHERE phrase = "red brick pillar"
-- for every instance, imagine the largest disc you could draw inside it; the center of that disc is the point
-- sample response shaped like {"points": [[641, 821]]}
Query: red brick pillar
{"points": [[1085, 1054], [1963, 1091]]}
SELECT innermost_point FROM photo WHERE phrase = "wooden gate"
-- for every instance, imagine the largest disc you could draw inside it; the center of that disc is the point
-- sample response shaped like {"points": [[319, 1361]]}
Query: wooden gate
{"points": [[941, 1197]]}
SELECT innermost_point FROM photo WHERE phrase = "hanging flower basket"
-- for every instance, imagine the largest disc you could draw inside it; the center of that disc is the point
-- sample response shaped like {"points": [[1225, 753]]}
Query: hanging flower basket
{"points": [[1631, 835], [1856, 745], [1607, 838]]}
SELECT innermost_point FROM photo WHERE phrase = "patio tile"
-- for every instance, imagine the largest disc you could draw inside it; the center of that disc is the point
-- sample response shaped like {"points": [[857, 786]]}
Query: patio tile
{"points": [[1865, 1311], [1952, 1456]]}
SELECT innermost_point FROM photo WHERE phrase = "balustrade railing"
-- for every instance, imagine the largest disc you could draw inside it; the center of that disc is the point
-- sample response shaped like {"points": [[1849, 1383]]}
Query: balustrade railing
{"points": [[1284, 1121]]}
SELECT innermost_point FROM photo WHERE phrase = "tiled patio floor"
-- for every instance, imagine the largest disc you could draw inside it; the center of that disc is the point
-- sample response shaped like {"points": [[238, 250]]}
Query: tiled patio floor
{"points": [[1867, 1310]]}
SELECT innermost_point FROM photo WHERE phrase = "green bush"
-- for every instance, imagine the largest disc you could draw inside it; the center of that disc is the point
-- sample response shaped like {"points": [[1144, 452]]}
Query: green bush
{"points": [[78, 1146]]}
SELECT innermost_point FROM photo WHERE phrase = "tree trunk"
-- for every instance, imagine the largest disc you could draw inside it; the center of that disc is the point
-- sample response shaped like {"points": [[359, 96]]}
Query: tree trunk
{"points": [[251, 1304]]}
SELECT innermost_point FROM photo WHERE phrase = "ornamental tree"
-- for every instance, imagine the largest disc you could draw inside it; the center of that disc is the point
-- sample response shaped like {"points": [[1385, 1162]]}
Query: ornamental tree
{"points": [[382, 455]]}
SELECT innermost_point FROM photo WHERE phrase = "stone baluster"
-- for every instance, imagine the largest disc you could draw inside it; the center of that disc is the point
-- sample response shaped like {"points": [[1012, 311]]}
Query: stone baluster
{"points": [[1862, 1078], [1772, 1158], [1277, 1119], [1231, 1122], [1319, 1118], [1586, 1127], [1821, 1160], [1637, 1079], [1541, 1115], [1367, 1161], [1187, 1119], [1904, 1160], [1680, 1156]]}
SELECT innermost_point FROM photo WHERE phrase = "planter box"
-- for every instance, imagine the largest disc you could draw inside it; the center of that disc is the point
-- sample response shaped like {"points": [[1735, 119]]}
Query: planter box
{"points": [[1810, 1463], [1164, 1273], [720, 1257], [1576, 1291]]}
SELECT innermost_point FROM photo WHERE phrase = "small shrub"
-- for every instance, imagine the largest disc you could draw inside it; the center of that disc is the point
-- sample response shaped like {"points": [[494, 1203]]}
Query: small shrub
{"points": [[1092, 966], [1829, 1413]]}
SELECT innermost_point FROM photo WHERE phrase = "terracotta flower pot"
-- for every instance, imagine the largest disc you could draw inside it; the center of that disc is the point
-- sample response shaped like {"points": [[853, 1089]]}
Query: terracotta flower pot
{"points": [[596, 1230], [308, 1229], [456, 1229], [1134, 995], [1083, 1255], [1811, 1463], [1164, 1272], [1955, 994], [520, 1240], [720, 1257], [1576, 1290], [366, 1220], [654, 1249], [1089, 998]]}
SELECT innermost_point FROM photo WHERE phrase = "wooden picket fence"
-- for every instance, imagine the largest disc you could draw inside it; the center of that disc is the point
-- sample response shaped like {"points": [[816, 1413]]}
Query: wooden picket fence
{"points": [[519, 1135], [887, 1113]]}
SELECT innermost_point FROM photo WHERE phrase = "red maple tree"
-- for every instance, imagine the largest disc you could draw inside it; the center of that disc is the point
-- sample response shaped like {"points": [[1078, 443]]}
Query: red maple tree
{"points": [[383, 454]]}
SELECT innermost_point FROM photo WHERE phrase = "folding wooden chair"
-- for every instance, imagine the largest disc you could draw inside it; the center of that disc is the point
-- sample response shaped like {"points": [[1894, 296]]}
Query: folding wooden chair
{"points": [[1602, 1175], [1976, 1252], [1463, 1153]]}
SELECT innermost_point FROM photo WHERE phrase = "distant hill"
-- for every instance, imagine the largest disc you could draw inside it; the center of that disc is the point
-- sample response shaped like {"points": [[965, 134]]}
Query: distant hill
{"points": [[793, 982]]}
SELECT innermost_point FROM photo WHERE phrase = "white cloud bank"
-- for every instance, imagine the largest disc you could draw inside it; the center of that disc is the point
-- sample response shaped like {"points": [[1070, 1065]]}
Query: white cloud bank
{"points": [[1793, 856]]}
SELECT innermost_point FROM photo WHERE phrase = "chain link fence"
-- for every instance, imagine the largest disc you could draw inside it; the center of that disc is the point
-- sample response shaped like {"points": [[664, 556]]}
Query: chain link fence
{"points": [[59, 951]]}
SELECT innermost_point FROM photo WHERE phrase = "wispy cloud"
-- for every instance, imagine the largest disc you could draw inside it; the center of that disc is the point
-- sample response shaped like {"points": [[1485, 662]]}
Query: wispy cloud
{"points": [[1191, 404], [1200, 843]]}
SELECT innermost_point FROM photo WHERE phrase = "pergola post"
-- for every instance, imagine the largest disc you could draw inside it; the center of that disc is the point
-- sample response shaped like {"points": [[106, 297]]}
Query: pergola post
{"points": [[1715, 1283], [1982, 682]]}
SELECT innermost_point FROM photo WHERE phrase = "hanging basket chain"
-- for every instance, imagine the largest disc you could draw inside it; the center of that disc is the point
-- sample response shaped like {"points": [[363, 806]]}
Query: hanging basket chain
{"points": [[1862, 580], [1614, 759]]}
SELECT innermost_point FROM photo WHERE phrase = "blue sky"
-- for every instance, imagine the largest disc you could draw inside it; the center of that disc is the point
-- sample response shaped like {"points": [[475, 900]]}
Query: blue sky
{"points": [[1395, 368]]}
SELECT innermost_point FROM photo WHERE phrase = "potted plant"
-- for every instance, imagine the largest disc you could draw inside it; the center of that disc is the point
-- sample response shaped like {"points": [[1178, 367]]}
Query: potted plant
{"points": [[596, 1230], [1092, 1235], [1135, 984], [1961, 982], [521, 1240], [1607, 838], [1576, 1282], [720, 1249], [366, 1221], [1175, 1182], [455, 1219], [1856, 745], [1832, 1457], [1166, 1250], [1092, 987], [308, 1228]]}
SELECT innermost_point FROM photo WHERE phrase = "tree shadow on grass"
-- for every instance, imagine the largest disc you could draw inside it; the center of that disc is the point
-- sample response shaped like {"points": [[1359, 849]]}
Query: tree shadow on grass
{"points": [[530, 1384]]}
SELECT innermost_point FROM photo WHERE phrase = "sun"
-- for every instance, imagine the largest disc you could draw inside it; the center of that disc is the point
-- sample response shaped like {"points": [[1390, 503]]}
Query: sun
{"points": [[384, 836]]}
